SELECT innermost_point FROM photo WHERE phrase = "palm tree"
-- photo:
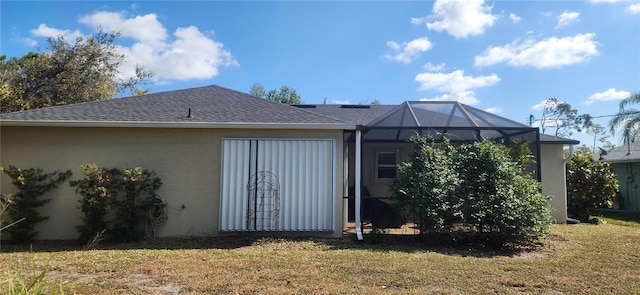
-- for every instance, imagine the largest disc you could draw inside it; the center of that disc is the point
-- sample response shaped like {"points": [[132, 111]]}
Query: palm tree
{"points": [[628, 118]]}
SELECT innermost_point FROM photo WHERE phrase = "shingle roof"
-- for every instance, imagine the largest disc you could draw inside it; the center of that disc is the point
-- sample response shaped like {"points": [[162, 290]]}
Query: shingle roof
{"points": [[550, 139], [357, 114], [623, 153], [213, 106], [209, 104]]}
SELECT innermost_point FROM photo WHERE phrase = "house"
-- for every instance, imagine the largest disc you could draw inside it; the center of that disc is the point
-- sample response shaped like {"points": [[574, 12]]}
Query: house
{"points": [[625, 164], [214, 148]]}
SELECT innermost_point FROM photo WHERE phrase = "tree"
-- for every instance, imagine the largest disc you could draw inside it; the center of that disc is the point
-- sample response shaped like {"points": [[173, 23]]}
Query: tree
{"points": [[284, 95], [559, 116], [257, 90], [628, 118], [590, 185], [86, 69], [600, 137]]}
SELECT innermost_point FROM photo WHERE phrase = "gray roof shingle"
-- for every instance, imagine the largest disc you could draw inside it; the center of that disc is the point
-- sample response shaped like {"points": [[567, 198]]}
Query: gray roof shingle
{"points": [[550, 139], [215, 106], [357, 114], [208, 104], [624, 153]]}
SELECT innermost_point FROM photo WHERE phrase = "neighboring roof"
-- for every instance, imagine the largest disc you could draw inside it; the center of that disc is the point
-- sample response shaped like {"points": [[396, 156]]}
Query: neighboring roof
{"points": [[624, 153], [210, 106]]}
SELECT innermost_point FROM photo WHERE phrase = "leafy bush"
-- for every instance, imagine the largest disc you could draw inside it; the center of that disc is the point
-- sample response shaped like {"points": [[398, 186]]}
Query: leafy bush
{"points": [[473, 189], [114, 201], [32, 184], [427, 185], [590, 185], [497, 199]]}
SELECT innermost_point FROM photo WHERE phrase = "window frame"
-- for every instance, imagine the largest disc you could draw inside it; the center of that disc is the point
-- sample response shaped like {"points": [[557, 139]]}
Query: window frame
{"points": [[378, 165]]}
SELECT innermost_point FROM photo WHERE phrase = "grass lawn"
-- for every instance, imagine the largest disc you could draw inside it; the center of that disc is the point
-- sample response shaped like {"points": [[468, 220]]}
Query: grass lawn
{"points": [[584, 259]]}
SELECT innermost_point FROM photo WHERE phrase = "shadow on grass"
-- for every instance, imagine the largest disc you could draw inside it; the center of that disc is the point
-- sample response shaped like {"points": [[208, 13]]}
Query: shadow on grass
{"points": [[626, 216], [381, 243]]}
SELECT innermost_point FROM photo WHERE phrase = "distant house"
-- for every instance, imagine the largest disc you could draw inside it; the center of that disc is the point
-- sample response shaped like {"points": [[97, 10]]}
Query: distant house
{"points": [[215, 148], [625, 163]]}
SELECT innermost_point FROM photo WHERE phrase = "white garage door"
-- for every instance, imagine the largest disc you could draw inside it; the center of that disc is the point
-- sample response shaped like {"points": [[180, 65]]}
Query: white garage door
{"points": [[277, 185]]}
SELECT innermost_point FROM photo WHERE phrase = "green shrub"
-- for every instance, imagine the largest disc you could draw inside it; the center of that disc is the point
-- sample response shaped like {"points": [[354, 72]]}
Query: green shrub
{"points": [[32, 184], [95, 188], [475, 190], [498, 200], [427, 185], [590, 185], [114, 202]]}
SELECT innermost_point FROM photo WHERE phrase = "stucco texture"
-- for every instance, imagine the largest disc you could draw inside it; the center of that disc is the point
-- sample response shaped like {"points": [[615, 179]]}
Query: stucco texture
{"points": [[187, 161], [553, 176]]}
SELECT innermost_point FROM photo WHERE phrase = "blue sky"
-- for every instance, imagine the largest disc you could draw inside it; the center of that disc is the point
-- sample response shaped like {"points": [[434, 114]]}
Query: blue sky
{"points": [[502, 56]]}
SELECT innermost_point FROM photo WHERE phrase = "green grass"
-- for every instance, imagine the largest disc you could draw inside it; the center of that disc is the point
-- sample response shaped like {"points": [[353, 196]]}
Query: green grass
{"points": [[584, 259], [622, 218]]}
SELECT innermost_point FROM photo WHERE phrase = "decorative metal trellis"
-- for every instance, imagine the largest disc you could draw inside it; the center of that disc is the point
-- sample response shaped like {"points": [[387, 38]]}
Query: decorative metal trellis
{"points": [[263, 191]]}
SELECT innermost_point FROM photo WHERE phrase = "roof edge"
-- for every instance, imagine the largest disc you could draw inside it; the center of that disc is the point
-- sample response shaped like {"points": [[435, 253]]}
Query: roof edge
{"points": [[566, 141], [153, 124]]}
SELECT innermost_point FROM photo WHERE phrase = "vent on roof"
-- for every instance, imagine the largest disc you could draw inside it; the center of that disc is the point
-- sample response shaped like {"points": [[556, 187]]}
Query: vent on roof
{"points": [[355, 106], [305, 106]]}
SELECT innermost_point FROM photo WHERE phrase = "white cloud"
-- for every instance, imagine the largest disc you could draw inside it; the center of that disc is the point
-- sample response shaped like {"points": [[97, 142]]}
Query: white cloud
{"points": [[25, 41], [408, 51], [459, 18], [434, 68], [514, 18], [493, 110], [606, 1], [540, 106], [456, 85], [634, 8], [610, 94], [341, 102], [548, 53], [186, 54], [568, 17], [145, 29], [192, 55], [419, 20], [49, 32]]}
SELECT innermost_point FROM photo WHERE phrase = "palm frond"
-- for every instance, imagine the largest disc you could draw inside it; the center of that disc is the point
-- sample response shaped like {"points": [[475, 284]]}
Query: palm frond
{"points": [[627, 117]]}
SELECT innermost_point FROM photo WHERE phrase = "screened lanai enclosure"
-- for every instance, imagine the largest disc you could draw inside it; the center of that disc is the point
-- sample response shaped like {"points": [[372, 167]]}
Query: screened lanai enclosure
{"points": [[456, 121], [381, 143]]}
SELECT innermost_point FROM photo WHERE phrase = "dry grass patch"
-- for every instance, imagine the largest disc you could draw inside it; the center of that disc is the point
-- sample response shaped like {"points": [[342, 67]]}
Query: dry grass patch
{"points": [[574, 259]]}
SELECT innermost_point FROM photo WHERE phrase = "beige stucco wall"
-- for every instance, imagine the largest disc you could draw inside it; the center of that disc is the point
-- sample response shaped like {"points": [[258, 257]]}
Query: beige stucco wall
{"points": [[554, 179], [187, 161], [380, 188]]}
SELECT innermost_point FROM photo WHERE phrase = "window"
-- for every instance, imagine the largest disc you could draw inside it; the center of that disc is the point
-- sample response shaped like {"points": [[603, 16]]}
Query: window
{"points": [[386, 165]]}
